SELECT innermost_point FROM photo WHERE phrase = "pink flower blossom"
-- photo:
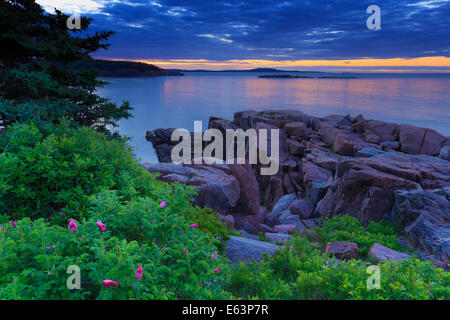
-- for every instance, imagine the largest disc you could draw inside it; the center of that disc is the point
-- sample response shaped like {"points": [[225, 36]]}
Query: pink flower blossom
{"points": [[1, 228], [217, 270], [163, 204], [101, 226], [194, 225], [214, 255], [13, 223], [72, 225], [139, 272], [186, 251], [109, 283]]}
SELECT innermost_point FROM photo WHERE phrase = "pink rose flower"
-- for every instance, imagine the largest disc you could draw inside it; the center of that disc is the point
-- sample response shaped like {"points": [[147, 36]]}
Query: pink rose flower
{"points": [[101, 226], [186, 251], [194, 225], [163, 204], [139, 272], [217, 270], [109, 283], [13, 223], [72, 225]]}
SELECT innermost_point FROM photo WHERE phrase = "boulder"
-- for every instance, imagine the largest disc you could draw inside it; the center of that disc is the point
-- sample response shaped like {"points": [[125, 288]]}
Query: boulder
{"points": [[371, 138], [432, 142], [274, 190], [240, 249], [228, 220], [287, 228], [221, 124], [411, 138], [345, 144], [295, 148], [281, 206], [327, 132], [327, 162], [384, 130], [445, 153], [379, 252], [297, 129], [216, 189], [342, 250], [344, 122], [250, 197], [311, 223], [315, 180], [363, 191], [287, 217], [425, 217], [302, 208]]}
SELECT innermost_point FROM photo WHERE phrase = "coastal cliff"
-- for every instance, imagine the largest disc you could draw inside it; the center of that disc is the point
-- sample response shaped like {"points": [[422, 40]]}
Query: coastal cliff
{"points": [[329, 166]]}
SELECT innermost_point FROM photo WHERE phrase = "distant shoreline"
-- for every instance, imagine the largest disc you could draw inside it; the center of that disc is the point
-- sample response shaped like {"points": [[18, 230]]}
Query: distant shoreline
{"points": [[126, 69], [286, 76]]}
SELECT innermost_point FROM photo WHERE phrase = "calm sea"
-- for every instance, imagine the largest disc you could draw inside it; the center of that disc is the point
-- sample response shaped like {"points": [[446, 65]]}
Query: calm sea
{"points": [[175, 102]]}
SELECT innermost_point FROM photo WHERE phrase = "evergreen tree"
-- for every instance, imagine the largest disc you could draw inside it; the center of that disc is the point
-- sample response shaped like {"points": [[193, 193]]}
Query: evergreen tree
{"points": [[39, 77]]}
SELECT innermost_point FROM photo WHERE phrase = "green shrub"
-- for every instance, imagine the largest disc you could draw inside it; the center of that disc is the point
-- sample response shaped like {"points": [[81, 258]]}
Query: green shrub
{"points": [[35, 256], [52, 171], [304, 272], [348, 228]]}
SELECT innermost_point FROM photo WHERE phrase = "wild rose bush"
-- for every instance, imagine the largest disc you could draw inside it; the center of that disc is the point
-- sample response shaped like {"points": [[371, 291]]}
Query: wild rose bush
{"points": [[177, 261], [50, 172], [77, 197]]}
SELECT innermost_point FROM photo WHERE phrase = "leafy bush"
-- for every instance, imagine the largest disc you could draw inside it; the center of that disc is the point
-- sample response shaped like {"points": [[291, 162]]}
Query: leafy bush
{"points": [[348, 228], [52, 172], [35, 256], [304, 272]]}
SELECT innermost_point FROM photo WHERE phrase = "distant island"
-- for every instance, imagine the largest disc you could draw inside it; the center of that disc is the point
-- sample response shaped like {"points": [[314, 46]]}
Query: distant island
{"points": [[111, 68], [283, 76], [262, 70], [288, 76]]}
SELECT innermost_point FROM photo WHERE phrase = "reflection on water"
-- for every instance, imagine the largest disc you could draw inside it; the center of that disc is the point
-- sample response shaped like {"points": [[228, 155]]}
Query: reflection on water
{"points": [[178, 101]]}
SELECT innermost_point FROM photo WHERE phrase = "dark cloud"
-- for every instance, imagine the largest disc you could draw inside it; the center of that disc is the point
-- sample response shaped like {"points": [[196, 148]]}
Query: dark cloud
{"points": [[275, 30]]}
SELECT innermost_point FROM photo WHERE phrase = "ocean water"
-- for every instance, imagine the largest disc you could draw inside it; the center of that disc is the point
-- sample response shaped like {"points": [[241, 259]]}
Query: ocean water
{"points": [[176, 102]]}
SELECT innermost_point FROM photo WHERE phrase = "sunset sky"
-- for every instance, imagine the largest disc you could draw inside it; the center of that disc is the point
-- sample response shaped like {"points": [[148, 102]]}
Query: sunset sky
{"points": [[289, 35]]}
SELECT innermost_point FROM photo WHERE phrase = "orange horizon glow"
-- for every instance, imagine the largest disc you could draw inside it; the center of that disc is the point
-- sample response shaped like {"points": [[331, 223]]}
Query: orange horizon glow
{"points": [[235, 64]]}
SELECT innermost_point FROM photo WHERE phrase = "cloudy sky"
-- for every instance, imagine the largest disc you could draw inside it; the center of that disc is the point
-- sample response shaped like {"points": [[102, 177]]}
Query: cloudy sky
{"points": [[301, 35]]}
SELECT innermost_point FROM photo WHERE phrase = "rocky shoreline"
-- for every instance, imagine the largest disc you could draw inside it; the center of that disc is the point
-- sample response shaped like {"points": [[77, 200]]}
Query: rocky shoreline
{"points": [[333, 165]]}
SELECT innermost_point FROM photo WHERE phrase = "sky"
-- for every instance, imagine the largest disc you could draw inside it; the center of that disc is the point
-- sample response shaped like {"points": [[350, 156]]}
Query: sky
{"points": [[289, 35]]}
